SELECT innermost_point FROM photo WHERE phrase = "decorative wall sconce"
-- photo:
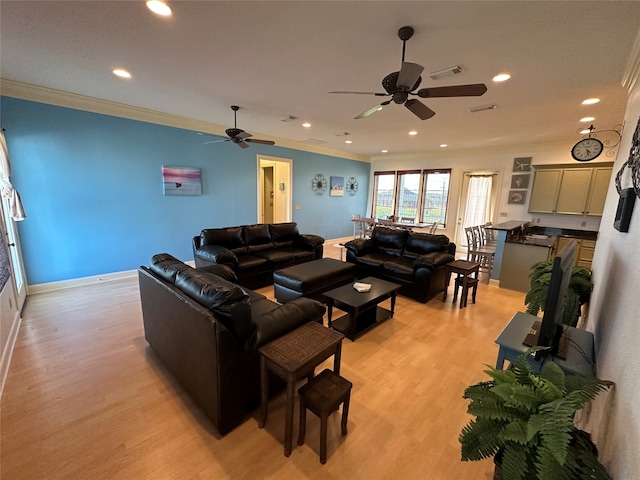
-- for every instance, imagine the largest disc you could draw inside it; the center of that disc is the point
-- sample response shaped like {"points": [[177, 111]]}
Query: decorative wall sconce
{"points": [[351, 186], [319, 184], [628, 195]]}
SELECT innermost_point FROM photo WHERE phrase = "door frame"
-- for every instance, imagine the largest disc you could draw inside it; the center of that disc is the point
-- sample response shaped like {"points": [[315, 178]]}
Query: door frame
{"points": [[283, 179]]}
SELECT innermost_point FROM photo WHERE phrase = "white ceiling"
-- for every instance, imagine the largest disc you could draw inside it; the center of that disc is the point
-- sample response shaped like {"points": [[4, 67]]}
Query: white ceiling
{"points": [[275, 59]]}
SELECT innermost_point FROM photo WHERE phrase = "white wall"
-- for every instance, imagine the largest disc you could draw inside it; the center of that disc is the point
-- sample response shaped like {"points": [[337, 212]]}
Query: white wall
{"points": [[614, 317]]}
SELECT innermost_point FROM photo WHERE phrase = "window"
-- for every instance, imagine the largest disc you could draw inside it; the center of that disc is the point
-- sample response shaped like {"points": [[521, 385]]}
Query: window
{"points": [[383, 189], [408, 195], [436, 196], [420, 195]]}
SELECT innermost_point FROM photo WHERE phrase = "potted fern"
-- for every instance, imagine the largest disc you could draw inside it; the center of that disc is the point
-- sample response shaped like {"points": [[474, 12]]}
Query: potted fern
{"points": [[524, 419], [578, 292]]}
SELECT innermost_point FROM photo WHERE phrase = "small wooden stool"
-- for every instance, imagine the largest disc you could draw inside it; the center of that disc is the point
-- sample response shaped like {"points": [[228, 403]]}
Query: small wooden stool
{"points": [[323, 395], [467, 275], [465, 285]]}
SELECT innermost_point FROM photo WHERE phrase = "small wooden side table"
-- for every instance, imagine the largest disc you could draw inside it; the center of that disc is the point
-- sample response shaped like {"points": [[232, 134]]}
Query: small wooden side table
{"points": [[291, 357], [323, 396], [465, 269]]}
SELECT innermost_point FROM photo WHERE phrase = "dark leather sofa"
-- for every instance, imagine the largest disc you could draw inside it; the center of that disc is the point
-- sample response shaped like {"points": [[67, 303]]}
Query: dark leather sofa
{"points": [[206, 330], [254, 252], [414, 260]]}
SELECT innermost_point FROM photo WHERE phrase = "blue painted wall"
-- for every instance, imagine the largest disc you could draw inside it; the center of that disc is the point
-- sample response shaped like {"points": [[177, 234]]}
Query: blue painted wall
{"points": [[91, 186]]}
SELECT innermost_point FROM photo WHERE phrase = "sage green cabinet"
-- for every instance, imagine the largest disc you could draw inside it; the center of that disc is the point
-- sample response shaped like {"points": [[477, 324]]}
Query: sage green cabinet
{"points": [[544, 193], [570, 190]]}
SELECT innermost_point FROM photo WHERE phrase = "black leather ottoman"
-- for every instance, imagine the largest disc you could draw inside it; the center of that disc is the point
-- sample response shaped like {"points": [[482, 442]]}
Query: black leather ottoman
{"points": [[310, 279]]}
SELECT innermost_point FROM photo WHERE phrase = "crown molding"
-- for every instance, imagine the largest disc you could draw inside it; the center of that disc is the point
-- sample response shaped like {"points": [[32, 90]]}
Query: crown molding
{"points": [[631, 72], [60, 98]]}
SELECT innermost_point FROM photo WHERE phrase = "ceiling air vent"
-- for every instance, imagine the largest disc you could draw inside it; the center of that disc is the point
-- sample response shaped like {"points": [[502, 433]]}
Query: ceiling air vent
{"points": [[482, 108], [446, 72]]}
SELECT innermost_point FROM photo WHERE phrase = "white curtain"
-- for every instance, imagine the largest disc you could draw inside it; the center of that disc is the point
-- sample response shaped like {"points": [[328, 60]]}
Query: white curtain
{"points": [[11, 194], [478, 201]]}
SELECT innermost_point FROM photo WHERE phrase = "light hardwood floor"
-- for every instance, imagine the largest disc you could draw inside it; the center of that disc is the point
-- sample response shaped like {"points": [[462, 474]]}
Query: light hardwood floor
{"points": [[86, 398]]}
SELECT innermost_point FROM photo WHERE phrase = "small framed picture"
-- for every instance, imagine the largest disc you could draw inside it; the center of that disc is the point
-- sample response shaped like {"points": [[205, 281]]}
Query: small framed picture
{"points": [[520, 181], [522, 164], [181, 180], [517, 197], [336, 184]]}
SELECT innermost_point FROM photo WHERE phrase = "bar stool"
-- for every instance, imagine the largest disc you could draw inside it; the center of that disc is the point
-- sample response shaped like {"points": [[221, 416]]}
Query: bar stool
{"points": [[323, 395]]}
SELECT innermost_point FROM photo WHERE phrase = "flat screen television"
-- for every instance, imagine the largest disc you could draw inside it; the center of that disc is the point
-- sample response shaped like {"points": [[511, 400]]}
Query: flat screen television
{"points": [[549, 332]]}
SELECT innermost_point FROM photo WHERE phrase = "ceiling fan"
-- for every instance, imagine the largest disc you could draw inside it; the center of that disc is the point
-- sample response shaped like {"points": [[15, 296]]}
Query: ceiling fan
{"points": [[399, 85], [239, 136]]}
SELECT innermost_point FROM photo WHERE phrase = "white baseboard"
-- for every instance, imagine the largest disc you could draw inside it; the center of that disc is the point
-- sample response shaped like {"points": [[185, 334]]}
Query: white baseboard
{"points": [[79, 282], [7, 351]]}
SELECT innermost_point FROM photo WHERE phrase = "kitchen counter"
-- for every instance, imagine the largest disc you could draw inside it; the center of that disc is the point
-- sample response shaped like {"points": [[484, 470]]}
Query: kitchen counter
{"points": [[563, 232], [509, 225], [536, 240], [520, 254]]}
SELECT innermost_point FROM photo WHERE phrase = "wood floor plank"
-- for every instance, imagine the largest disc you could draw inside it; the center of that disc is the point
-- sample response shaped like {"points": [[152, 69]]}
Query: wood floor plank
{"points": [[86, 397]]}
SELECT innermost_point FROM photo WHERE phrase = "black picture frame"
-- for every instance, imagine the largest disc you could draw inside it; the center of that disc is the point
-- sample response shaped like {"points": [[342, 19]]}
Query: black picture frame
{"points": [[520, 181], [517, 197], [522, 164], [625, 209]]}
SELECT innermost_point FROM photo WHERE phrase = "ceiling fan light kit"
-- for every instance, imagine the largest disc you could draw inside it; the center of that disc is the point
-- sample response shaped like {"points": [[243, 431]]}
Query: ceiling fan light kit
{"points": [[239, 136], [400, 85]]}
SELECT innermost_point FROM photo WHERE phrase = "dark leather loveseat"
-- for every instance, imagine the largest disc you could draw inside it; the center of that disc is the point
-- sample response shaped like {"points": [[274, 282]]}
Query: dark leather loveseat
{"points": [[254, 252], [414, 260], [206, 330]]}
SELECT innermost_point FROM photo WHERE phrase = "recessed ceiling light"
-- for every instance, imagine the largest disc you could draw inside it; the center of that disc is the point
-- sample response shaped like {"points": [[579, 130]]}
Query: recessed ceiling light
{"points": [[587, 119], [590, 101], [348, 141], [159, 7], [443, 145], [413, 132], [122, 73], [584, 131], [384, 151], [501, 77], [306, 125]]}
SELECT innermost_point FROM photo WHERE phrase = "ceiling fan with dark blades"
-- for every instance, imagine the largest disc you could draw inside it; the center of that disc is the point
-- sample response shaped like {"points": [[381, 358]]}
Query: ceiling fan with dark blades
{"points": [[399, 85], [239, 136]]}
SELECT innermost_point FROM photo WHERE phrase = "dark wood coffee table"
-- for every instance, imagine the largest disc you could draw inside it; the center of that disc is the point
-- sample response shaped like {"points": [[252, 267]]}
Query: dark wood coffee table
{"points": [[363, 312]]}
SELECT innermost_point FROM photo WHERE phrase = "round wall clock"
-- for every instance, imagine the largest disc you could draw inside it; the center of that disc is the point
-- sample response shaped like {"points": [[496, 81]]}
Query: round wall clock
{"points": [[587, 149]]}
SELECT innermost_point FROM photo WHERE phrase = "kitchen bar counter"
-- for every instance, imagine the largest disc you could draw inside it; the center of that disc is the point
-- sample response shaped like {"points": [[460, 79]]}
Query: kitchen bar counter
{"points": [[535, 240], [519, 241], [501, 232], [563, 232]]}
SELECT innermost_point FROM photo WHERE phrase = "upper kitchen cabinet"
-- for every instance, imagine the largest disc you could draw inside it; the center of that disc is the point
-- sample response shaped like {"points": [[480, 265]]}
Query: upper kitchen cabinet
{"points": [[569, 189]]}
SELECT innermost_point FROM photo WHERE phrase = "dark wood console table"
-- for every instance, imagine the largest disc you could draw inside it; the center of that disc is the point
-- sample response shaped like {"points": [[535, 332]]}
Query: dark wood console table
{"points": [[580, 354]]}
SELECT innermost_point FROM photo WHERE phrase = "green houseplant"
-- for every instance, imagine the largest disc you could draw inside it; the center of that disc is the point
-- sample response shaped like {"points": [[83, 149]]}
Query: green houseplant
{"points": [[578, 292], [525, 420]]}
